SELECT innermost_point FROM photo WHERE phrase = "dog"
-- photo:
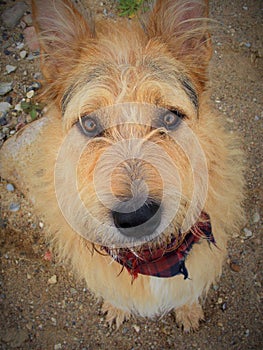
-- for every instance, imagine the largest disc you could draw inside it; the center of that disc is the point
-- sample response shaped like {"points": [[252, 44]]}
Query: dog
{"points": [[138, 181]]}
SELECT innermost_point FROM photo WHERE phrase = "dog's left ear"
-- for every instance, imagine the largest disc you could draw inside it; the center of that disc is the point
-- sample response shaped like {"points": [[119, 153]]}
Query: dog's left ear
{"points": [[183, 26], [60, 29]]}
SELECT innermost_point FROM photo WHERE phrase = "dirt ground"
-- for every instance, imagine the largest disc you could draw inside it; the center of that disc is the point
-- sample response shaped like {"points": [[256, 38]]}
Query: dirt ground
{"points": [[44, 307]]}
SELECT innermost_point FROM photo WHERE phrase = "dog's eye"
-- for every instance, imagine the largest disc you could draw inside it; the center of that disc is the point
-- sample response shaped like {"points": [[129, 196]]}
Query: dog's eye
{"points": [[172, 119], [90, 126]]}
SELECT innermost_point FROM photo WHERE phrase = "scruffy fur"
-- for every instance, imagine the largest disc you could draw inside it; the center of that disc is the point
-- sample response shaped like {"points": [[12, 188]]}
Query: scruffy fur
{"points": [[162, 61]]}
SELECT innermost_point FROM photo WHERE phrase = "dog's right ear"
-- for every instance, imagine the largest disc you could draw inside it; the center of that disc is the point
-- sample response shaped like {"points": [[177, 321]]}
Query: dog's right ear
{"points": [[184, 27], [60, 29]]}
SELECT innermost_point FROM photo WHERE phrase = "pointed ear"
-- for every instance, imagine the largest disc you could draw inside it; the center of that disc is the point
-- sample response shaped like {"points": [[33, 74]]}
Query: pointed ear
{"points": [[60, 29], [183, 26]]}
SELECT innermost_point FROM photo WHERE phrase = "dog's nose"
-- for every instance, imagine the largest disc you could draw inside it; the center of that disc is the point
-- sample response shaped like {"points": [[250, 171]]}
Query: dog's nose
{"points": [[139, 223]]}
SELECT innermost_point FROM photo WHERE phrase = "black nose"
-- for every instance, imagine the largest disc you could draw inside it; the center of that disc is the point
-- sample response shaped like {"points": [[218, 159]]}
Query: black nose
{"points": [[138, 223]]}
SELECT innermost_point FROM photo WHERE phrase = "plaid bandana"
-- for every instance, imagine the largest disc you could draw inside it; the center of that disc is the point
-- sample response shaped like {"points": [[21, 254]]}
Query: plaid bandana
{"points": [[168, 261]]}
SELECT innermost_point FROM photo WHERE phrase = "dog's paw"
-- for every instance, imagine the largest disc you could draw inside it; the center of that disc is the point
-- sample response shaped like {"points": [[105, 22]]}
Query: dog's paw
{"points": [[188, 317], [114, 315]]}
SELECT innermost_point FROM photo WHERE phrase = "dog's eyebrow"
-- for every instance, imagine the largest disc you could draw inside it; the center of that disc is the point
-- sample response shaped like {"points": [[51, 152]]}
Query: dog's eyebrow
{"points": [[67, 97], [174, 76], [189, 90], [95, 73]]}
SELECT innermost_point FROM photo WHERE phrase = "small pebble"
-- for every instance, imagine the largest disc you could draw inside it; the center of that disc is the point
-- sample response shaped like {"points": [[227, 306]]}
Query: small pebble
{"points": [[23, 54], [7, 52], [34, 86], [9, 99], [3, 120], [18, 107], [57, 346], [29, 326], [248, 233], [5, 130], [234, 266], [247, 332], [30, 94], [14, 207], [41, 224], [224, 307], [52, 280], [5, 88], [28, 20], [20, 46], [136, 328], [9, 68], [4, 106], [48, 256], [10, 188], [30, 57], [37, 75], [215, 287], [54, 321], [256, 218], [125, 330], [219, 301]]}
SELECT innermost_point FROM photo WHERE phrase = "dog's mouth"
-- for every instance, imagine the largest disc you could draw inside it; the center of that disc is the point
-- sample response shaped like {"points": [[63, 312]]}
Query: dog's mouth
{"points": [[168, 259]]}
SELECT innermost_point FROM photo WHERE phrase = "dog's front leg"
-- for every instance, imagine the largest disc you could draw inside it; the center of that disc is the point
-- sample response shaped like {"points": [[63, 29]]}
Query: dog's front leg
{"points": [[188, 316], [114, 314]]}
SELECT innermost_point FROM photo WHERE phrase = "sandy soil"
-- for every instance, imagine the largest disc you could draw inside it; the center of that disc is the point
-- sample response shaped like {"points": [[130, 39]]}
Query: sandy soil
{"points": [[40, 311]]}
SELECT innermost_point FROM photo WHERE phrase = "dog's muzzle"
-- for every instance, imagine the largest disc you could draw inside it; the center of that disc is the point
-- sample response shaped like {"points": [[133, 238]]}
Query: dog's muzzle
{"points": [[137, 223]]}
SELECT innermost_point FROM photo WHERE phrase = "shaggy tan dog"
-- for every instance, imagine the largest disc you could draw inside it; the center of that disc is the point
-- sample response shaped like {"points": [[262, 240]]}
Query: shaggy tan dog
{"points": [[138, 182]]}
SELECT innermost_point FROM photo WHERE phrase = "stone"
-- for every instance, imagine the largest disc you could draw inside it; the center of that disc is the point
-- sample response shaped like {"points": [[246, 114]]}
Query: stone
{"points": [[136, 328], [13, 15], [28, 20], [4, 107], [247, 233], [9, 68], [15, 337], [10, 188], [14, 207], [30, 94], [234, 266], [18, 107], [256, 218], [20, 46], [23, 54], [31, 38], [5, 88], [3, 120], [52, 280]]}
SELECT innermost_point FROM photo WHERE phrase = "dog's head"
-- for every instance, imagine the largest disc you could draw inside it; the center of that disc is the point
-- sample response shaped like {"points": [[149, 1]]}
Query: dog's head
{"points": [[131, 168]]}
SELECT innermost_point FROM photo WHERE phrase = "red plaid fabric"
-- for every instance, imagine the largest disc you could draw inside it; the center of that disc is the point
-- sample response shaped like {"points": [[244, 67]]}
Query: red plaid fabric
{"points": [[168, 261]]}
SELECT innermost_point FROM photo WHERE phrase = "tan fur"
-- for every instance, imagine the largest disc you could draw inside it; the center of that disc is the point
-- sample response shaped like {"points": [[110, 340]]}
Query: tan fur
{"points": [[114, 65]]}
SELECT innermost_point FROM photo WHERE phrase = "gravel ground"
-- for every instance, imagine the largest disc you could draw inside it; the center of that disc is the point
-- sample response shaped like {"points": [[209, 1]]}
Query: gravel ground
{"points": [[42, 305]]}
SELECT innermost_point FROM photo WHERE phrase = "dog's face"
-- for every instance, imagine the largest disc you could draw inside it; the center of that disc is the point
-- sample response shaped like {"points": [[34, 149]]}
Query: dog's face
{"points": [[131, 169]]}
